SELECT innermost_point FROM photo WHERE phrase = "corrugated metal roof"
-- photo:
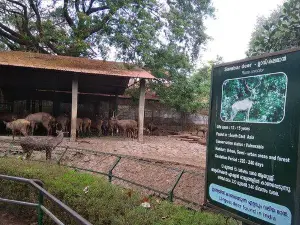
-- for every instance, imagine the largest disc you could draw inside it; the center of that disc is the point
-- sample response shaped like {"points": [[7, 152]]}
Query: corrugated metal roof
{"points": [[72, 64]]}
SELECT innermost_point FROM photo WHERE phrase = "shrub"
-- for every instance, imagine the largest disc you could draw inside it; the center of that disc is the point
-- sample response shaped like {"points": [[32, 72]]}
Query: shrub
{"points": [[104, 203]]}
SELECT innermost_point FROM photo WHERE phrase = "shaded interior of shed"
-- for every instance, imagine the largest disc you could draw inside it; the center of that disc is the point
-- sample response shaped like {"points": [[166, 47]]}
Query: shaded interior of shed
{"points": [[20, 83]]}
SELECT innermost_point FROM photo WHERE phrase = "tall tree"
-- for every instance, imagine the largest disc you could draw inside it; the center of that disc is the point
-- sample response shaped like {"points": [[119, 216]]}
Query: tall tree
{"points": [[187, 94], [280, 31], [136, 29], [201, 81]]}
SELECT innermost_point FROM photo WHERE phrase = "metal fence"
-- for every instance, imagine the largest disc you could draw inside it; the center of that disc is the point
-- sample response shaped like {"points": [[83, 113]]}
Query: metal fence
{"points": [[41, 209], [13, 147]]}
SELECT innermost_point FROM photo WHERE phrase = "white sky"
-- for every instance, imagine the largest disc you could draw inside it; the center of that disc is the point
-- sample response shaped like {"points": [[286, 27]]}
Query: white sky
{"points": [[232, 28]]}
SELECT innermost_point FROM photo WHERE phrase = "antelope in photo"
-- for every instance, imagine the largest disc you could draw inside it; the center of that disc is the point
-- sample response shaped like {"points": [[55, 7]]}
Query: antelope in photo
{"points": [[243, 105]]}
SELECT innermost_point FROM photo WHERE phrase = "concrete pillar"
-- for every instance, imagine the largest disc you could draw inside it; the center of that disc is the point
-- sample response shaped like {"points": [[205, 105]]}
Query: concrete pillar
{"points": [[74, 107], [141, 110]]}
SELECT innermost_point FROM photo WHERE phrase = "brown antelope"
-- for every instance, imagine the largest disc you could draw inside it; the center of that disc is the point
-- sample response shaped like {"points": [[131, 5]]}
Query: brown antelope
{"points": [[97, 125], [112, 124], [86, 125], [63, 121], [127, 127], [43, 118], [79, 125], [19, 125], [243, 105]]}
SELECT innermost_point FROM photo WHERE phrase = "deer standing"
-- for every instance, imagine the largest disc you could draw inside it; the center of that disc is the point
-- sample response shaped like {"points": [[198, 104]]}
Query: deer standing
{"points": [[43, 118], [112, 124], [63, 121], [127, 127], [243, 105], [19, 125], [86, 125], [30, 144]]}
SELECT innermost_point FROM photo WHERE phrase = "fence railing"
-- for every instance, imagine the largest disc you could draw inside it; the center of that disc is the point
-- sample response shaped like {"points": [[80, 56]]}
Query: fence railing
{"points": [[119, 157], [41, 209]]}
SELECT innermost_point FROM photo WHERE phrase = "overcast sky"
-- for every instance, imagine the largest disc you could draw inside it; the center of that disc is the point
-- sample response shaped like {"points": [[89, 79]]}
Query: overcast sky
{"points": [[232, 28]]}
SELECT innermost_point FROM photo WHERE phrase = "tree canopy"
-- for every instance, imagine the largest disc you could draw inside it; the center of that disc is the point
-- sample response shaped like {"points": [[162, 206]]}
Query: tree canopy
{"points": [[187, 93], [277, 32], [135, 29]]}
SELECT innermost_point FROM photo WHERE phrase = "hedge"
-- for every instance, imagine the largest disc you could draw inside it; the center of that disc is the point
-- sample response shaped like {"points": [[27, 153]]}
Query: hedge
{"points": [[104, 203]]}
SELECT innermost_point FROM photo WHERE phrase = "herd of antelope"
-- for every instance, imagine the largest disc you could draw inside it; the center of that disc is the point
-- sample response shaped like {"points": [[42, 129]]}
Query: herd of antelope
{"points": [[28, 124]]}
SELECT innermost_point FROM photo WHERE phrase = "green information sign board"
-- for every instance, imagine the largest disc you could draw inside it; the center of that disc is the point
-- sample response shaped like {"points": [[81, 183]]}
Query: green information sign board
{"points": [[253, 164]]}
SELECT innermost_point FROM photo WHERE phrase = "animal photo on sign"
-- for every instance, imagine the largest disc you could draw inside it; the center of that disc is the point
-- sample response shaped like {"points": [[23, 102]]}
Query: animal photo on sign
{"points": [[254, 99]]}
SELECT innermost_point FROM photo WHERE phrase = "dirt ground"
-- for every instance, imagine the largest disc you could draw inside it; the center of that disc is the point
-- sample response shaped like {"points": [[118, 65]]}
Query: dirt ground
{"points": [[157, 163], [154, 147], [8, 219]]}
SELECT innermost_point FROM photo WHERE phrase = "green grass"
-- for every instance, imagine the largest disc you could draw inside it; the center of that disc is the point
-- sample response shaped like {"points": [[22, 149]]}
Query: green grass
{"points": [[105, 203]]}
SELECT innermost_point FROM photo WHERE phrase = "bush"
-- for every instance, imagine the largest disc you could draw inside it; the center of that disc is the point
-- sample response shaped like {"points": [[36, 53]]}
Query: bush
{"points": [[103, 204]]}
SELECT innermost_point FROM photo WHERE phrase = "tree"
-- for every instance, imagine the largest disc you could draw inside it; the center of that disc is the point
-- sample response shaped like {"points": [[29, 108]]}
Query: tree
{"points": [[279, 31], [137, 29], [201, 81], [187, 94]]}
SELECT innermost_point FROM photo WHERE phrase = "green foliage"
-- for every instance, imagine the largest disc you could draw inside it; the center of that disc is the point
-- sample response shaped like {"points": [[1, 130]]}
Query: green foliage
{"points": [[268, 93], [186, 94], [179, 94], [168, 62], [134, 93], [279, 31], [136, 30], [103, 204], [201, 81]]}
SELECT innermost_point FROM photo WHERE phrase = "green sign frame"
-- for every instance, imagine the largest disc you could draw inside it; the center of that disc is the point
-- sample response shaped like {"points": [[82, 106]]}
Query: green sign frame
{"points": [[253, 147]]}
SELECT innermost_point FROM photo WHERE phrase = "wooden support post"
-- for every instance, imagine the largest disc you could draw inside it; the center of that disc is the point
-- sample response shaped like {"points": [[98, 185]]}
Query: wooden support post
{"points": [[40, 105], [74, 107], [142, 109]]}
